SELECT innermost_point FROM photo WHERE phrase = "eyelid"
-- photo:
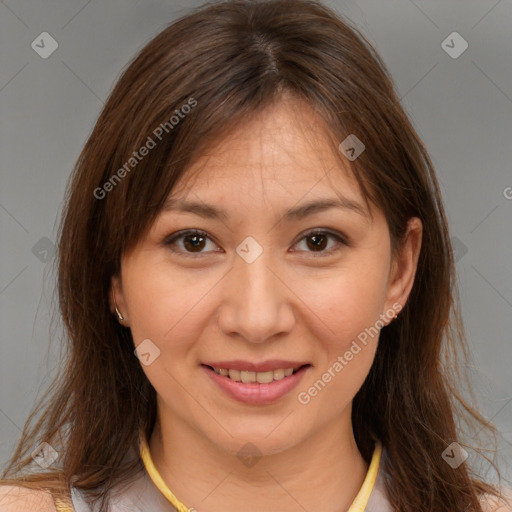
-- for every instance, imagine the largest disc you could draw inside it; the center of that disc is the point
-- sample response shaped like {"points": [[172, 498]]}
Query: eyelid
{"points": [[338, 236], [169, 240]]}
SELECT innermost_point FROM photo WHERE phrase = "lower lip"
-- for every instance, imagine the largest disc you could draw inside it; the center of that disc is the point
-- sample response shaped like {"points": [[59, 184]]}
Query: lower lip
{"points": [[255, 393]]}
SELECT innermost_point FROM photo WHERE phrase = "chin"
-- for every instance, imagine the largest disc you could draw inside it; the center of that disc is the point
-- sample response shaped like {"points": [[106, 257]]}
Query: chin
{"points": [[256, 441]]}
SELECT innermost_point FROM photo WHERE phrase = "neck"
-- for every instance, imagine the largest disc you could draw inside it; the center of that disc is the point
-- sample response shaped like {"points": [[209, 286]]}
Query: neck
{"points": [[324, 472]]}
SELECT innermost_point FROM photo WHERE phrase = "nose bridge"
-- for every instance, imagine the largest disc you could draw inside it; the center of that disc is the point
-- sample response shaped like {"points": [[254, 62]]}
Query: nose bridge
{"points": [[256, 298]]}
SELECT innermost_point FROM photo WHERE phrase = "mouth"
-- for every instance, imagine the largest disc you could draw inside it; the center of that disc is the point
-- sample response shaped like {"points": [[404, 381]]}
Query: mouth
{"points": [[246, 385], [248, 377]]}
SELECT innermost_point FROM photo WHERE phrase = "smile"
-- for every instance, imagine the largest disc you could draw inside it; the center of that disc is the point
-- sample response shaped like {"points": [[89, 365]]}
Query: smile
{"points": [[260, 377], [256, 387]]}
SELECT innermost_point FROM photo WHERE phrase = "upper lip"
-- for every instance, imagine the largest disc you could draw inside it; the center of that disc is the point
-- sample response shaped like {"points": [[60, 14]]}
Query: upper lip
{"points": [[264, 366]]}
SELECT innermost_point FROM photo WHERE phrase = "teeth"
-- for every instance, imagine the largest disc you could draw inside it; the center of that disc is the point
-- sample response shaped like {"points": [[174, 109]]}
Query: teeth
{"points": [[265, 377], [278, 374], [248, 377], [235, 375]]}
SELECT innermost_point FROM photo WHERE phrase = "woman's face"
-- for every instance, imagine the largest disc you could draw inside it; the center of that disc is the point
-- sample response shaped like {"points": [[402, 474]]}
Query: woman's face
{"points": [[271, 284]]}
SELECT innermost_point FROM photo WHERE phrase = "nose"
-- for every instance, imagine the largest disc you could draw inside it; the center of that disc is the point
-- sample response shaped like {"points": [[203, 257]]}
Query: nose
{"points": [[257, 301]]}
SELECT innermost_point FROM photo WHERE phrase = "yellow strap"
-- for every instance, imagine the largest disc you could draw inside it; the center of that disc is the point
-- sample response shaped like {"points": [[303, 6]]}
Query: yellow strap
{"points": [[62, 506], [155, 476], [361, 501], [358, 505]]}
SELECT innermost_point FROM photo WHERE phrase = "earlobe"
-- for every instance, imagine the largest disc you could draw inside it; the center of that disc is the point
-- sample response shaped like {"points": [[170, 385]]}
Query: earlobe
{"points": [[403, 269]]}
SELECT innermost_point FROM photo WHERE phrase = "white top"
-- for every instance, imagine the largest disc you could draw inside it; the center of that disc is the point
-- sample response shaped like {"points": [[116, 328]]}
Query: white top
{"points": [[147, 492], [143, 495]]}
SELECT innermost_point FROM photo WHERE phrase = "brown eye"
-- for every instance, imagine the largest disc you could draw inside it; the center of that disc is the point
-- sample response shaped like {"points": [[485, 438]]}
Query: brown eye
{"points": [[317, 241], [193, 242]]}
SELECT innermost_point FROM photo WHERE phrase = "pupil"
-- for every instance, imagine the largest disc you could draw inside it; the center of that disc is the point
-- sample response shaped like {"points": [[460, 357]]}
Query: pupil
{"points": [[316, 243], [194, 244]]}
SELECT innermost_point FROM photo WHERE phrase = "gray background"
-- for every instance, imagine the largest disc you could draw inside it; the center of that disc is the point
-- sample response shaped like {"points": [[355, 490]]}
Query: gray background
{"points": [[462, 108]]}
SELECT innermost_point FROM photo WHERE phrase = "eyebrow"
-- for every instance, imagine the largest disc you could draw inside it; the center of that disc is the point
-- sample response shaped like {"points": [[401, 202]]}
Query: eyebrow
{"points": [[299, 212]]}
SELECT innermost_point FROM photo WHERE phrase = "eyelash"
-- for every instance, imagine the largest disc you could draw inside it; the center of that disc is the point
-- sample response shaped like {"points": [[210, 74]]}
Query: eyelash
{"points": [[169, 241]]}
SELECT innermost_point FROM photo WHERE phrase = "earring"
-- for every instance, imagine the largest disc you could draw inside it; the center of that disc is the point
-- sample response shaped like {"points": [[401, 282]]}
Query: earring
{"points": [[119, 315]]}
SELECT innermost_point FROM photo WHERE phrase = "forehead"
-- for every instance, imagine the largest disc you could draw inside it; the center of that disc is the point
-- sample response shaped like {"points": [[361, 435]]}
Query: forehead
{"points": [[284, 150]]}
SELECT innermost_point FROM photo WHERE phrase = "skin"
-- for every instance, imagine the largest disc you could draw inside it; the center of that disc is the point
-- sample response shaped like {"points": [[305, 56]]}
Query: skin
{"points": [[292, 302]]}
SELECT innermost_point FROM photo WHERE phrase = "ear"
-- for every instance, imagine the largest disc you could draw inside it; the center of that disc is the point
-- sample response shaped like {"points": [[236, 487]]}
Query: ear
{"points": [[404, 265], [116, 297]]}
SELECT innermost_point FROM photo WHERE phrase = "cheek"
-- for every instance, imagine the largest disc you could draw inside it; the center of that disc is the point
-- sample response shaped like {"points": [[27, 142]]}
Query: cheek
{"points": [[350, 305], [347, 342], [335, 385], [162, 303], [347, 303], [165, 308]]}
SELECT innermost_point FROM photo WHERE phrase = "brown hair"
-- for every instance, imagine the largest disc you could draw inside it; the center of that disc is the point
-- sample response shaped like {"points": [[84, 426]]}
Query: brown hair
{"points": [[229, 60]]}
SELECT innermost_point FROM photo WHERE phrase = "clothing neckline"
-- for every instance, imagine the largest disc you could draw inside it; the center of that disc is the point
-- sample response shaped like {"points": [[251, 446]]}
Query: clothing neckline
{"points": [[358, 505]]}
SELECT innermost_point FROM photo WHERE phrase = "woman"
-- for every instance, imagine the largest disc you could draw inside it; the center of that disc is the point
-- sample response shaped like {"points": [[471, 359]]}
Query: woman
{"points": [[257, 282]]}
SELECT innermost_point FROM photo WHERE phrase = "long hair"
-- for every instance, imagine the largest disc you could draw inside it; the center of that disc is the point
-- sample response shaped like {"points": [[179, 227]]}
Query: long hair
{"points": [[189, 86]]}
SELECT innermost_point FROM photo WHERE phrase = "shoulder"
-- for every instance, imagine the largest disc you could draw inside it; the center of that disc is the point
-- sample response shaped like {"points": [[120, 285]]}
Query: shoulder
{"points": [[492, 504], [14, 498]]}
